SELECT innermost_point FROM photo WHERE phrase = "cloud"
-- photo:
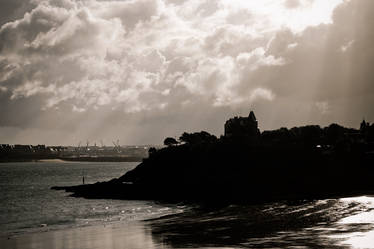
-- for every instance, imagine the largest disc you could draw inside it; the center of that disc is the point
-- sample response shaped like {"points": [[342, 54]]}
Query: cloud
{"points": [[126, 60], [77, 109], [260, 93], [292, 3], [258, 58], [131, 13], [346, 46], [323, 107], [119, 47], [31, 88], [14, 9]]}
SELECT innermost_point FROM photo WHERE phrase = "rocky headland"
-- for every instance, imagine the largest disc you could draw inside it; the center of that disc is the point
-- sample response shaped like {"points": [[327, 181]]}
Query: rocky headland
{"points": [[246, 165]]}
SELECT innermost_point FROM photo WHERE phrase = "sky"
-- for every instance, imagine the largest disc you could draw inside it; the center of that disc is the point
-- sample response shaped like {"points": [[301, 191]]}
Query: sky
{"points": [[142, 70]]}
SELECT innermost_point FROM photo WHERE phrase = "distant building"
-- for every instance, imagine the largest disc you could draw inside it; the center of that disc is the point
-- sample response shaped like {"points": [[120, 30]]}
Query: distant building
{"points": [[22, 149], [242, 127], [363, 126]]}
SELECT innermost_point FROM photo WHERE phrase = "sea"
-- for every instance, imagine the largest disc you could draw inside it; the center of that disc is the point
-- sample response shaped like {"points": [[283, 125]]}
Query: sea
{"points": [[28, 206]]}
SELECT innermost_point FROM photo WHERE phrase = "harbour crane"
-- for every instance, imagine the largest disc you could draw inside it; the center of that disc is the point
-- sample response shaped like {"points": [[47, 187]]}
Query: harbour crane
{"points": [[117, 146], [78, 148]]}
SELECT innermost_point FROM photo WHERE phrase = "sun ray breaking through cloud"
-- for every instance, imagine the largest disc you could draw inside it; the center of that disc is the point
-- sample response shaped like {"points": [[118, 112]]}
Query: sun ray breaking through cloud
{"points": [[143, 58]]}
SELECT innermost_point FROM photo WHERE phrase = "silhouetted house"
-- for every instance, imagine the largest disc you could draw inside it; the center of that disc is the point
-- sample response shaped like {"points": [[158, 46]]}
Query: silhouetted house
{"points": [[367, 131], [242, 127], [22, 149], [364, 126], [5, 147]]}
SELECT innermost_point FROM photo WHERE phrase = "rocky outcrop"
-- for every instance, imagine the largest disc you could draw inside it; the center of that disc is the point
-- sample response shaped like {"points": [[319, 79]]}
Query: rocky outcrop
{"points": [[304, 162]]}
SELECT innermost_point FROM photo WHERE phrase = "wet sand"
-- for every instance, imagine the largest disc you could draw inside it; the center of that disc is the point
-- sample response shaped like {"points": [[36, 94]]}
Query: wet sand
{"points": [[129, 235], [332, 223]]}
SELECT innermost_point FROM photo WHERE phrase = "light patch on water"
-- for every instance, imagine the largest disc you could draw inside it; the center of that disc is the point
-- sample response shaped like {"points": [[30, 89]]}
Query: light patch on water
{"points": [[361, 199], [359, 239], [361, 218], [362, 240]]}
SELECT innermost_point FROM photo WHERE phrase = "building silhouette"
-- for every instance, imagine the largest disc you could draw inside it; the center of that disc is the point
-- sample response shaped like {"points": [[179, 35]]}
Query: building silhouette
{"points": [[242, 127]]}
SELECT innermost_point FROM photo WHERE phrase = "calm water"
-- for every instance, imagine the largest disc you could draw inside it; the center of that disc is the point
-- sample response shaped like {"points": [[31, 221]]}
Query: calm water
{"points": [[27, 205]]}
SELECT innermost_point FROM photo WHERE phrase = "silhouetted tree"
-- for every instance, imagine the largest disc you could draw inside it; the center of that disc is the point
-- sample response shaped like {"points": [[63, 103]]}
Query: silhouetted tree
{"points": [[169, 141], [370, 133], [152, 150], [334, 132], [308, 135], [282, 135], [197, 137]]}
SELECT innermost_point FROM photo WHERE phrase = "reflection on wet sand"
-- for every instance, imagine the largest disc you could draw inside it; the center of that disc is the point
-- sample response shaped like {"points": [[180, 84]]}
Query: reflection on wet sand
{"points": [[362, 232], [316, 224], [343, 223], [129, 235]]}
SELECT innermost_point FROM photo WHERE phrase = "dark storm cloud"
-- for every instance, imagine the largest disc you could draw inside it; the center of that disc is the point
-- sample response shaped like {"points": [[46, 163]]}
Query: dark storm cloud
{"points": [[142, 70], [13, 9]]}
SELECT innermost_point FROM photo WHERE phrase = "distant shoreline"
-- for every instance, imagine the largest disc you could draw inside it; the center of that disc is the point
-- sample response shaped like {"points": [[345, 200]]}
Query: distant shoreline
{"points": [[74, 159], [103, 159]]}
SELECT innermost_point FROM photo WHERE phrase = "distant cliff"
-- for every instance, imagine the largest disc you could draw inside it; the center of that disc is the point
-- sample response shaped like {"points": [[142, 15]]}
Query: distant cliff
{"points": [[302, 162]]}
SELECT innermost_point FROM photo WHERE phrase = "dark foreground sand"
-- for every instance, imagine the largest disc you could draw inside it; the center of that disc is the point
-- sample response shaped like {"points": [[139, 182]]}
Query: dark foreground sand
{"points": [[130, 235]]}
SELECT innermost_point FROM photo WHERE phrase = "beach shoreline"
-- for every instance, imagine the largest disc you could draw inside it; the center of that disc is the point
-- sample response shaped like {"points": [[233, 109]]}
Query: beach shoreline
{"points": [[128, 234]]}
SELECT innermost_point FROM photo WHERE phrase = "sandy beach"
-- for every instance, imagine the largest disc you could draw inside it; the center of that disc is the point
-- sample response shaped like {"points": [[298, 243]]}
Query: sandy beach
{"points": [[122, 235]]}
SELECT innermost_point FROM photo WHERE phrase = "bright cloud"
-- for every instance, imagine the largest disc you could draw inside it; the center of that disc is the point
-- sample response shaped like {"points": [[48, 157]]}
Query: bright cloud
{"points": [[165, 57], [96, 53]]}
